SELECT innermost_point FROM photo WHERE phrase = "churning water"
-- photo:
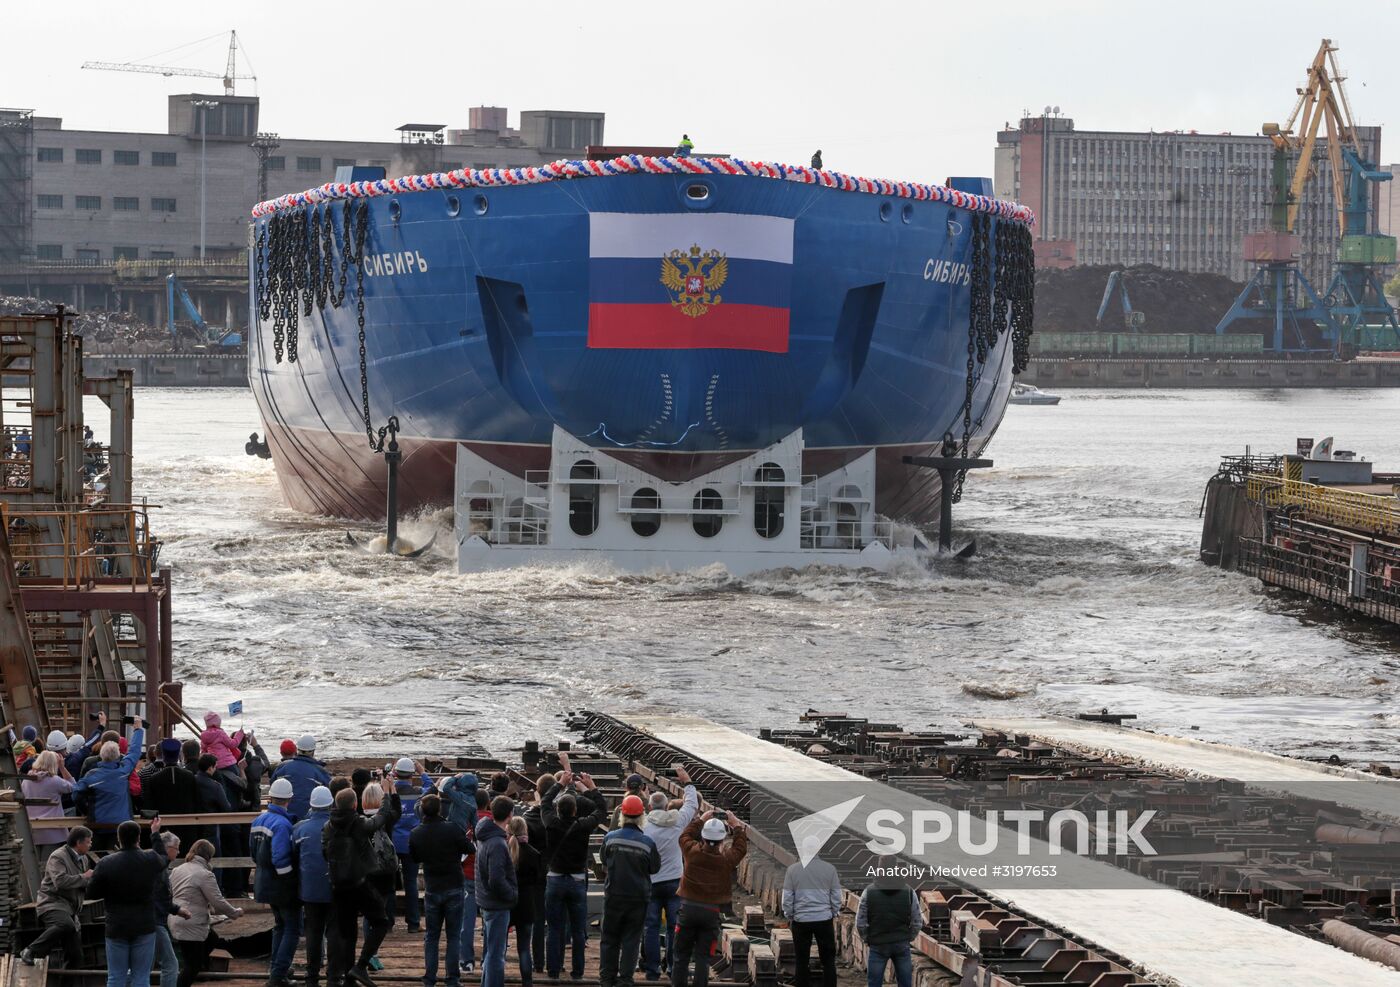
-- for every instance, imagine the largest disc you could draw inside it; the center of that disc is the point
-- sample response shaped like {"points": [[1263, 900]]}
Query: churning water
{"points": [[1086, 593]]}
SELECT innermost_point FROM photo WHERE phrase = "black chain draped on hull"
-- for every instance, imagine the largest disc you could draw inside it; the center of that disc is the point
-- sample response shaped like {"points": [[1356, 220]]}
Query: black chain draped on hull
{"points": [[295, 269], [1002, 299]]}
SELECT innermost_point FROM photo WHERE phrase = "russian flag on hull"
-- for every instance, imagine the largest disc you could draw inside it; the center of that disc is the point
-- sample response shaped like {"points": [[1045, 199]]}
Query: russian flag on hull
{"points": [[689, 281]]}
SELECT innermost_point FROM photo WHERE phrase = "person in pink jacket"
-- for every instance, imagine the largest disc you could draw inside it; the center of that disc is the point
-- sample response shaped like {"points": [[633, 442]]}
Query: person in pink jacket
{"points": [[214, 740]]}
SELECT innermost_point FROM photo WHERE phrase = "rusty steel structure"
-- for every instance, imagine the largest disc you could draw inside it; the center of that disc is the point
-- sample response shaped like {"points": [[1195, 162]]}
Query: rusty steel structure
{"points": [[86, 624]]}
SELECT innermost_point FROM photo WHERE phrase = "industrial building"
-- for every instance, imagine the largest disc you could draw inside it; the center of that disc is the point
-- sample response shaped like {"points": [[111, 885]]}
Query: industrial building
{"points": [[97, 219], [1179, 199]]}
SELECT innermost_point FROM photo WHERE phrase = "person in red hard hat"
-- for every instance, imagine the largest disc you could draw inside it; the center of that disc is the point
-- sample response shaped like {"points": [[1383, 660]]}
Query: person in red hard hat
{"points": [[629, 859]]}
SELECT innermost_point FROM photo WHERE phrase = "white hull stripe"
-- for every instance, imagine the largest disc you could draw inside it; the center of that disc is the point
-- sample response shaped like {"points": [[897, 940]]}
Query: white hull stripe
{"points": [[738, 235]]}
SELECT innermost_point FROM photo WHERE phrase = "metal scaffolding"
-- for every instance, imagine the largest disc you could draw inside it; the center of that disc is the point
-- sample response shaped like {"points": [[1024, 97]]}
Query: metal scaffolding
{"points": [[90, 626], [16, 171]]}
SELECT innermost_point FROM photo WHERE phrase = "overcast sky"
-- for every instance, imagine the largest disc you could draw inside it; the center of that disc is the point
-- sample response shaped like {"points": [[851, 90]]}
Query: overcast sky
{"points": [[905, 91]]}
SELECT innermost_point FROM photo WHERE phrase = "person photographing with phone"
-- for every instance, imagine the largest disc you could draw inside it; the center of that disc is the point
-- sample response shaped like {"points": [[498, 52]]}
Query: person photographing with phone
{"points": [[572, 808], [706, 891], [107, 786]]}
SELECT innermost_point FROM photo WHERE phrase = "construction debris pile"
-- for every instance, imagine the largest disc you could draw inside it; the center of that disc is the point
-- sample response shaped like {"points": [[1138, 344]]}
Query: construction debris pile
{"points": [[1067, 300], [102, 332]]}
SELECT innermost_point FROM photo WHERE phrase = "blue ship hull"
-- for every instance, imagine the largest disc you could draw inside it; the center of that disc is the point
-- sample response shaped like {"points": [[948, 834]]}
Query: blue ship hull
{"points": [[478, 305]]}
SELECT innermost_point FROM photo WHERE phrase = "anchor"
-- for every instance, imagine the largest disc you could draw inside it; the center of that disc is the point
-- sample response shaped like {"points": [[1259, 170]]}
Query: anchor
{"points": [[948, 466], [390, 543]]}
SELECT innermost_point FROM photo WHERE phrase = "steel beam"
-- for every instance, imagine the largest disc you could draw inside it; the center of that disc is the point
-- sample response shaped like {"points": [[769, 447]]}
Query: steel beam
{"points": [[20, 688]]}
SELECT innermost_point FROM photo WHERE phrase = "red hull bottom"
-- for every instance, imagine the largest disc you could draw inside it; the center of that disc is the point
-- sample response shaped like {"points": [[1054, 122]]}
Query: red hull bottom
{"points": [[337, 475]]}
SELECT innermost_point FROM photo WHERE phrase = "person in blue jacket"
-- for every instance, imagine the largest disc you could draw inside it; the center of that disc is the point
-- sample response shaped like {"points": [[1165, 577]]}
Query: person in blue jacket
{"points": [[76, 753], [459, 792], [305, 773], [314, 880], [497, 890], [459, 799], [107, 786], [275, 881], [404, 770]]}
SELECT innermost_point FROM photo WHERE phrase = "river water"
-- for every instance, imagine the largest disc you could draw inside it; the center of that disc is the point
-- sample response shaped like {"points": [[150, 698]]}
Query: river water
{"points": [[1086, 593]]}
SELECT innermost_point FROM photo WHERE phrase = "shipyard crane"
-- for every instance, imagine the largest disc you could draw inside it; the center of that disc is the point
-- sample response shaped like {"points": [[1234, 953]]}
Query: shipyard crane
{"points": [[228, 75], [1118, 283], [1354, 297]]}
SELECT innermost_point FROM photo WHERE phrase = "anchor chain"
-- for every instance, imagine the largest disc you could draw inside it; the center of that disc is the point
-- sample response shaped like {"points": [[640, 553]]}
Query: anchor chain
{"points": [[1021, 281], [262, 299], [1001, 285], [980, 333], [361, 227], [296, 271]]}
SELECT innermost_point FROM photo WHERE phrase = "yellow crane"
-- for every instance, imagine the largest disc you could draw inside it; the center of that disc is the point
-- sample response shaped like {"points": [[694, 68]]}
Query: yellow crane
{"points": [[1354, 300], [1322, 100], [229, 75]]}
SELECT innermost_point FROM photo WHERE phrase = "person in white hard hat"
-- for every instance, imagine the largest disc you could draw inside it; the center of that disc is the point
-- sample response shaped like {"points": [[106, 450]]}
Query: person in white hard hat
{"points": [[275, 881], [409, 792], [314, 880], [706, 891], [304, 773]]}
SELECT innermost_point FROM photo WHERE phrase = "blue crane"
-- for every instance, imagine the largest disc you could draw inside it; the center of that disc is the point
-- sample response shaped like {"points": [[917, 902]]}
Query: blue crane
{"points": [[210, 335], [1118, 281]]}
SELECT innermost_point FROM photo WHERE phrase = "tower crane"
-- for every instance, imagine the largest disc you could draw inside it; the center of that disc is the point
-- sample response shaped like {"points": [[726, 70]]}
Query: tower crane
{"points": [[228, 75], [1278, 289]]}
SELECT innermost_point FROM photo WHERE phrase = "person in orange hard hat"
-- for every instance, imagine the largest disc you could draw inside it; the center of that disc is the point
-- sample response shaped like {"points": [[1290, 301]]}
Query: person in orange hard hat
{"points": [[630, 858]]}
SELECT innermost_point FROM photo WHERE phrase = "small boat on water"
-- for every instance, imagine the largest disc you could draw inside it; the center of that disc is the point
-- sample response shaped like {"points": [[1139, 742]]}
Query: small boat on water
{"points": [[1030, 394]]}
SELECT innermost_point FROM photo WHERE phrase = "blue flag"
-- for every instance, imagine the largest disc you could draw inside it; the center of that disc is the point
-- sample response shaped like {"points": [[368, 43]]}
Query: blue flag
{"points": [[234, 708]]}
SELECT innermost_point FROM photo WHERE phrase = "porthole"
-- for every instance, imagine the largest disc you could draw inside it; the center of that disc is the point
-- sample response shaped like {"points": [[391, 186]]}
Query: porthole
{"points": [[696, 193], [707, 525], [768, 500], [394, 209], [886, 211], [480, 205], [583, 498], [907, 213], [646, 499], [454, 205]]}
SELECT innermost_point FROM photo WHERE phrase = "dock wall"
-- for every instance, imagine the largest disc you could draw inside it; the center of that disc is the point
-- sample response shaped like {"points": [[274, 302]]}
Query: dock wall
{"points": [[173, 369], [1228, 515], [1337, 546], [1063, 372]]}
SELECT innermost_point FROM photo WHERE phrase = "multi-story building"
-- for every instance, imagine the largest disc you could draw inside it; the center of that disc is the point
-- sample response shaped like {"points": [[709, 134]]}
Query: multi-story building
{"points": [[1179, 200], [97, 218]]}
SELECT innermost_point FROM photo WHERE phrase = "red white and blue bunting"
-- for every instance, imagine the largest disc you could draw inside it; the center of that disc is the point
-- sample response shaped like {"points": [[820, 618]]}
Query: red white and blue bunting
{"points": [[644, 164]]}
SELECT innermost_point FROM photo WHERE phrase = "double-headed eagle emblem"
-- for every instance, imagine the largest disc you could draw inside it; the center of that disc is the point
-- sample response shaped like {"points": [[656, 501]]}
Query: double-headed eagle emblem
{"points": [[693, 277]]}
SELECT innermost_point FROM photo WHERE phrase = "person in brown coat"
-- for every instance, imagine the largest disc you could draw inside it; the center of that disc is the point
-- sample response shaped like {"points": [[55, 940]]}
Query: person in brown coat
{"points": [[706, 891]]}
